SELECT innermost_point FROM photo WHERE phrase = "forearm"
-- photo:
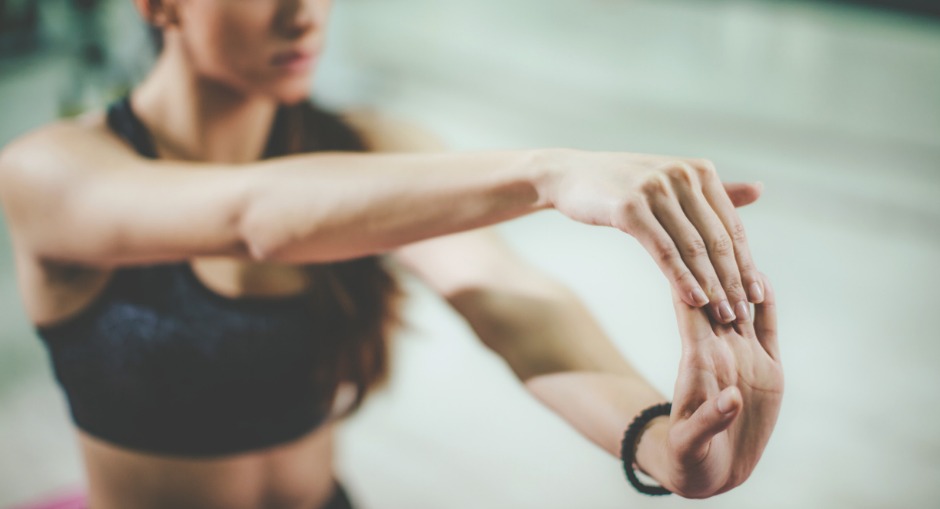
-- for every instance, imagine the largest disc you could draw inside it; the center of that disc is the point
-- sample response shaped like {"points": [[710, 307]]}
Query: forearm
{"points": [[601, 405], [331, 206], [560, 352]]}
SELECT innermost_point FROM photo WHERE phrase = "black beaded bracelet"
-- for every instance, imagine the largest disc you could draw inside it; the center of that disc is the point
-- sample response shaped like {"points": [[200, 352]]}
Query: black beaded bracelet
{"points": [[630, 442]]}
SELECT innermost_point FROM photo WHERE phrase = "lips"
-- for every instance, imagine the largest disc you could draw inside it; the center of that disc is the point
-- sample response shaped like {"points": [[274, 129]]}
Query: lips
{"points": [[293, 60]]}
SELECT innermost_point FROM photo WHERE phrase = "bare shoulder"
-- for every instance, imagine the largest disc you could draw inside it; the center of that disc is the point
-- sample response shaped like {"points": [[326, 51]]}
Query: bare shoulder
{"points": [[387, 133], [42, 165], [41, 152], [30, 160], [91, 125]]}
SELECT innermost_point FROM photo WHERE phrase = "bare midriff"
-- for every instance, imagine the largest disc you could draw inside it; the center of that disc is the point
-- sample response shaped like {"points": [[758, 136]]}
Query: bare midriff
{"points": [[296, 475]]}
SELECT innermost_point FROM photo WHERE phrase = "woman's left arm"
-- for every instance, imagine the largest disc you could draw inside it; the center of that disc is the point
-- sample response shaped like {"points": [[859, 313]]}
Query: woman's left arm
{"points": [[727, 395]]}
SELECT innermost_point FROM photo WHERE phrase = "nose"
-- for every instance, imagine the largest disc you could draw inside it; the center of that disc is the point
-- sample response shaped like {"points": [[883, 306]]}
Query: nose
{"points": [[297, 17]]}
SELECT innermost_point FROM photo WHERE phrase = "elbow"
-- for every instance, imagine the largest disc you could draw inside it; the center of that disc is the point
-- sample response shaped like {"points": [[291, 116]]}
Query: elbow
{"points": [[257, 233], [256, 250]]}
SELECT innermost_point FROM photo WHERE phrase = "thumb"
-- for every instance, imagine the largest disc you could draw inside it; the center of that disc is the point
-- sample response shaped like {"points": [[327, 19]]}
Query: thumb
{"points": [[743, 193], [713, 417]]}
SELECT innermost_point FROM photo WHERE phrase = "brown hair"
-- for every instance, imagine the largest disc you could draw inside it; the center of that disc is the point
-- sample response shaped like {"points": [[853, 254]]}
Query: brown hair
{"points": [[354, 303]]}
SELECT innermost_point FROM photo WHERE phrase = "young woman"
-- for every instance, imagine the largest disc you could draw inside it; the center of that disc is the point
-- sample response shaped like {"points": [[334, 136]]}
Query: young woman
{"points": [[203, 262]]}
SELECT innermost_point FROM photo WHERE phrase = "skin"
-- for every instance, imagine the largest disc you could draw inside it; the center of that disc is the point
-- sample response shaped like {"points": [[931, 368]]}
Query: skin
{"points": [[79, 203]]}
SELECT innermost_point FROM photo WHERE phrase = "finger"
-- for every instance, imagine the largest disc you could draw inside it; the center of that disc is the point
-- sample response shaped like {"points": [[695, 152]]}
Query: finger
{"points": [[711, 418], [694, 252], [743, 193], [721, 203], [660, 245], [693, 322], [727, 296], [765, 320]]}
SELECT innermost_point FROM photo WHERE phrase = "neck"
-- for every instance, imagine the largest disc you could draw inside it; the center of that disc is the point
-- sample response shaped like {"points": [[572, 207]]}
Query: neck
{"points": [[194, 118]]}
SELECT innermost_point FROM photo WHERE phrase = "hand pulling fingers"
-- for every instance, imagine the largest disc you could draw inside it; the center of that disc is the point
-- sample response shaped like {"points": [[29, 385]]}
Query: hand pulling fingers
{"points": [[729, 294], [653, 237], [720, 202], [694, 252]]}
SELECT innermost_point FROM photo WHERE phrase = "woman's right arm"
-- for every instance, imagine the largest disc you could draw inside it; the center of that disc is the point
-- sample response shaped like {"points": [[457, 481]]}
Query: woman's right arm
{"points": [[78, 194]]}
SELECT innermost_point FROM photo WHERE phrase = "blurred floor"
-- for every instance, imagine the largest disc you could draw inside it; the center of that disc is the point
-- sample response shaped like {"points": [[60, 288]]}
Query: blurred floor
{"points": [[836, 110]]}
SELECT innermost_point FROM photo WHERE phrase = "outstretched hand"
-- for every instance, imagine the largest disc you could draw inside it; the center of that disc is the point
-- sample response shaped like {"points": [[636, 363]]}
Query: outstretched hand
{"points": [[726, 401], [678, 209]]}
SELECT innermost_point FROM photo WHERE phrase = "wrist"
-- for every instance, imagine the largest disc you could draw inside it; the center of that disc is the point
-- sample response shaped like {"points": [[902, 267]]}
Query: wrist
{"points": [[651, 449], [546, 168]]}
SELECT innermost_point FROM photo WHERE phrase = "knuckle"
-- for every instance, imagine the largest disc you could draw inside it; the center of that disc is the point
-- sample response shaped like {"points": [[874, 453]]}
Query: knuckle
{"points": [[722, 246], [684, 278], [666, 253], [705, 168], [631, 208], [696, 248], [737, 233], [656, 186], [681, 173], [748, 272], [715, 290], [628, 215], [734, 289]]}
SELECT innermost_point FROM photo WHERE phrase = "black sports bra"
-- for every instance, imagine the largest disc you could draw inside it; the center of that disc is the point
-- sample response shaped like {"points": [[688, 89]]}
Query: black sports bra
{"points": [[160, 363]]}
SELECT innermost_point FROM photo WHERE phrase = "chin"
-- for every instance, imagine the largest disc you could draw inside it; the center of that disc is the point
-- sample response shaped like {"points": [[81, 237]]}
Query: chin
{"points": [[292, 99], [293, 92]]}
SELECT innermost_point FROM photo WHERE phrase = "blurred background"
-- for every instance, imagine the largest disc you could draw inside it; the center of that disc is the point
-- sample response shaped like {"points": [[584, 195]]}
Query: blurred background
{"points": [[835, 106]]}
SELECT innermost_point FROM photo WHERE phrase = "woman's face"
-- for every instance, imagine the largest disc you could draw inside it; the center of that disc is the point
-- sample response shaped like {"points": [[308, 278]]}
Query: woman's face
{"points": [[265, 47]]}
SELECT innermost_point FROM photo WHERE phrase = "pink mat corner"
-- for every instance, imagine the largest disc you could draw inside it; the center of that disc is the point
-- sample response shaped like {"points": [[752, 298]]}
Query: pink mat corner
{"points": [[67, 499]]}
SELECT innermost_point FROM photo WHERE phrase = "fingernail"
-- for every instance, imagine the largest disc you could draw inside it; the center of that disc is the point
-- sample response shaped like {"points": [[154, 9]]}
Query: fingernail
{"points": [[741, 309], [726, 402], [724, 310], [699, 297], [757, 293]]}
